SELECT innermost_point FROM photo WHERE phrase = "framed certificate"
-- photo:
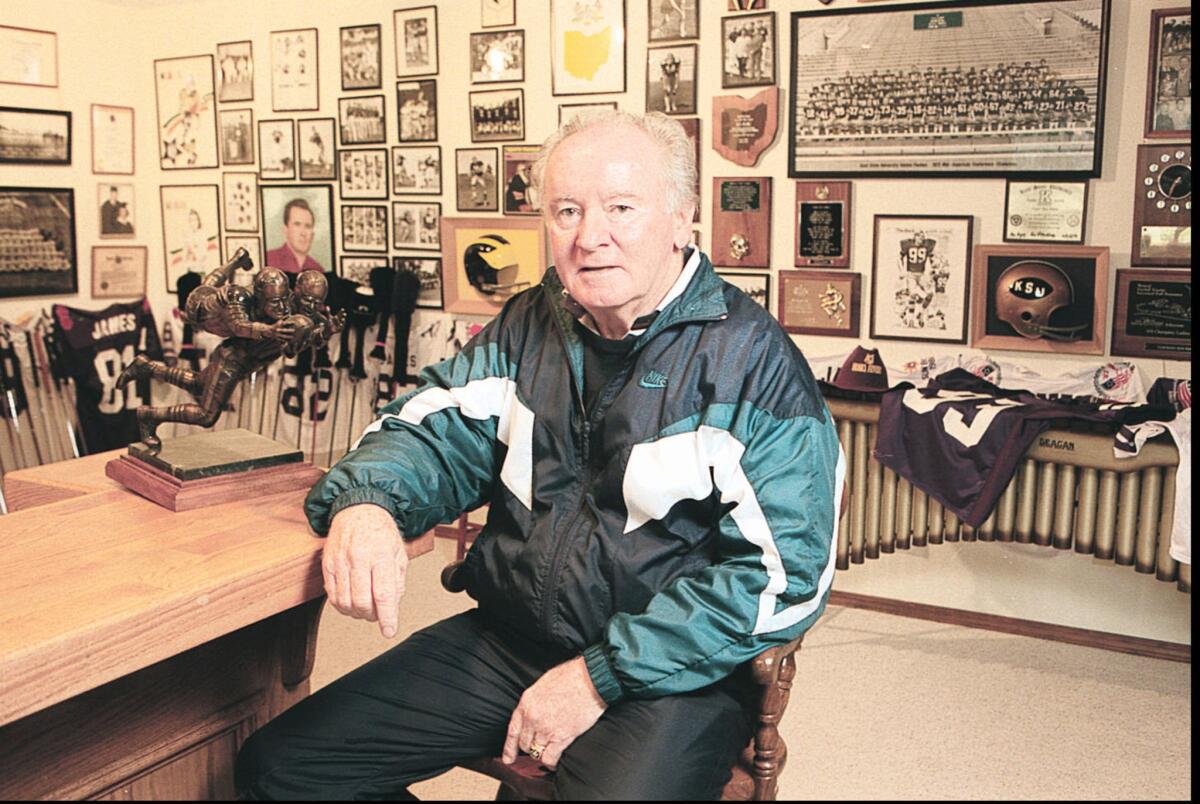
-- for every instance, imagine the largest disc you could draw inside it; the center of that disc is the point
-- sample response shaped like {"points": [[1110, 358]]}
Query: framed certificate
{"points": [[28, 56], [112, 139], [118, 271], [1153, 315], [294, 70], [822, 224], [1045, 211], [820, 302]]}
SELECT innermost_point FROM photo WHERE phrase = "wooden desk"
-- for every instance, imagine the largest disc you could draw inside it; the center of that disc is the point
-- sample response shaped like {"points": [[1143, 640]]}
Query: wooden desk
{"points": [[140, 647]]}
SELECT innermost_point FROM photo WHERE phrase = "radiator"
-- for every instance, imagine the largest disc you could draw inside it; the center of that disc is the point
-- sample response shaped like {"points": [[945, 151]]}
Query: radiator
{"points": [[1069, 492]]}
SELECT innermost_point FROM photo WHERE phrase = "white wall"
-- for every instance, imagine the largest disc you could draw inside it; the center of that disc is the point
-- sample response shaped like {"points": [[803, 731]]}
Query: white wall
{"points": [[106, 53]]}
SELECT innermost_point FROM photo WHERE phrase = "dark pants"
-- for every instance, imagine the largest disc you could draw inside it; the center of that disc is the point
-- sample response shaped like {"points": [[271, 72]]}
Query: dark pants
{"points": [[446, 693]]}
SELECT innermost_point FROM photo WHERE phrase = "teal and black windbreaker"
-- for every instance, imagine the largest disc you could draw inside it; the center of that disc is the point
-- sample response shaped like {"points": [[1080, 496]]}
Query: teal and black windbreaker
{"points": [[682, 527]]}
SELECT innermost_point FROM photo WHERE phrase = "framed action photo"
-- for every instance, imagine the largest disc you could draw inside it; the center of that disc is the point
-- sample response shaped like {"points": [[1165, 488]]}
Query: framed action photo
{"points": [[671, 79], [417, 169], [1045, 211], [1039, 298], [361, 120], [37, 224], [754, 284], [429, 273], [112, 139], [235, 71], [497, 57], [237, 136], [1169, 88], [497, 13], [191, 230], [748, 50], [314, 140], [297, 226], [253, 246], [240, 194], [115, 202], [30, 56], [820, 302], [362, 57], [294, 71], [1027, 104], [673, 19], [364, 227], [1152, 316], [118, 271], [520, 197], [475, 172], [362, 173], [187, 112], [568, 111], [358, 269], [497, 115], [822, 224], [416, 41], [417, 225], [920, 277], [276, 149], [416, 105], [587, 47], [476, 285], [35, 136]]}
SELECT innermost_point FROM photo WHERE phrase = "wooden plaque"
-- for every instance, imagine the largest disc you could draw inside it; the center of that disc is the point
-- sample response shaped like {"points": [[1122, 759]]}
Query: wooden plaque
{"points": [[820, 302], [741, 222], [1162, 206], [744, 127], [1153, 315], [822, 224]]}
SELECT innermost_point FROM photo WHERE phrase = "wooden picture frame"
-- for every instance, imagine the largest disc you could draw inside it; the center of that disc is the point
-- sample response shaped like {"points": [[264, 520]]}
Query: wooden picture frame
{"points": [[316, 139], [497, 57], [741, 221], [235, 71], [753, 64], [429, 272], [755, 284], [417, 225], [32, 57], [473, 182], [668, 24], [1152, 314], [417, 169], [237, 136], [671, 79], [594, 70], [191, 224], [113, 140], [185, 99], [115, 202], [119, 271], [524, 239], [365, 228], [276, 150], [497, 115], [49, 266], [35, 136], [416, 41], [823, 217], [1045, 211], [363, 174], [295, 68], [362, 120], [1169, 75], [820, 302], [361, 57]]}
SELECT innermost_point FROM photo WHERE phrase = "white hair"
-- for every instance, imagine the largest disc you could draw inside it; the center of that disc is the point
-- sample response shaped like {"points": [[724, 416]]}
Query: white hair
{"points": [[679, 154]]}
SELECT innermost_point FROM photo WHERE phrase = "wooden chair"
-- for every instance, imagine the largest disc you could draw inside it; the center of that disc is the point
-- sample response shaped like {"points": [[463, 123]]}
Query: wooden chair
{"points": [[755, 774]]}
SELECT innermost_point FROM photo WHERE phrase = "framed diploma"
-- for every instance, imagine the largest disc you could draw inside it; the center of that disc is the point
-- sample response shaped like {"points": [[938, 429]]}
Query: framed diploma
{"points": [[28, 56], [112, 139], [1153, 315], [118, 271], [1045, 211], [741, 222], [820, 302], [1162, 206], [822, 224]]}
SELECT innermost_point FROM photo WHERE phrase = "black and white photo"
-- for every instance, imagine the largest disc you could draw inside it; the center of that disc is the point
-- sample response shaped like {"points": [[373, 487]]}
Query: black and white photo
{"points": [[755, 284], [475, 172], [364, 227], [748, 50], [417, 169], [362, 173], [358, 269], [240, 194], [417, 225], [497, 114], [671, 79], [314, 140], [520, 196], [237, 136], [276, 149], [235, 71], [35, 136], [362, 59], [416, 41], [294, 71], [497, 57], [361, 120], [1169, 93], [416, 108], [115, 202], [429, 272], [674, 19], [37, 241]]}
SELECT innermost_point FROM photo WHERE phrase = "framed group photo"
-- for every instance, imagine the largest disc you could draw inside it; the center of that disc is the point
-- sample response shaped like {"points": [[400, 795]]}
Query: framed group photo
{"points": [[294, 71], [118, 271], [587, 47], [429, 273], [297, 221], [671, 79], [748, 50], [674, 19], [112, 139], [276, 149], [240, 194], [475, 178], [416, 42], [358, 268], [237, 136], [315, 138], [416, 106], [37, 230], [364, 227], [497, 57], [187, 112], [1169, 89], [191, 230], [35, 136], [417, 225], [497, 115], [235, 71], [417, 169], [362, 120], [363, 173], [516, 251], [362, 57], [115, 202]]}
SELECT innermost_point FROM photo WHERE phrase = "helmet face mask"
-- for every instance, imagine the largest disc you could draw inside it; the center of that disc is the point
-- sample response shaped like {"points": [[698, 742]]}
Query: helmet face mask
{"points": [[1029, 293]]}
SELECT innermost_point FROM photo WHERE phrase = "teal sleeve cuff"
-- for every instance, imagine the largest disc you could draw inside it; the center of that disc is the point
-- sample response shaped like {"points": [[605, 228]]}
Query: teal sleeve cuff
{"points": [[601, 672], [365, 494]]}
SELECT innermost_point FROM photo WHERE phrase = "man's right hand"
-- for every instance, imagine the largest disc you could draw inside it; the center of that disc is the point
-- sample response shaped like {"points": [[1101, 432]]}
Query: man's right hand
{"points": [[283, 330], [364, 565]]}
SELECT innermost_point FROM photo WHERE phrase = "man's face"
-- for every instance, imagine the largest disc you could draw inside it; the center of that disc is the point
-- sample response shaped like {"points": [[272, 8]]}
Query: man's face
{"points": [[298, 231], [612, 235]]}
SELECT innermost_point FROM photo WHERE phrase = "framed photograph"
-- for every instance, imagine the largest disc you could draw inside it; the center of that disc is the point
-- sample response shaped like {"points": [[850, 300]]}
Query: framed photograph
{"points": [[497, 115], [37, 228], [235, 71], [416, 41], [362, 57], [475, 172], [820, 302], [276, 149], [240, 193], [673, 19], [315, 139], [363, 173], [497, 13], [364, 227], [417, 225], [1039, 298], [748, 50], [473, 285], [671, 79], [497, 57], [429, 272], [115, 202], [1045, 211], [112, 139], [187, 112], [358, 269], [416, 105], [1169, 89], [237, 136], [361, 120], [294, 71], [754, 284], [253, 246], [920, 277], [1162, 206], [1018, 108], [297, 226], [568, 111], [118, 271], [822, 224], [30, 56], [1152, 316], [417, 169], [587, 47], [191, 230], [520, 197], [35, 136]]}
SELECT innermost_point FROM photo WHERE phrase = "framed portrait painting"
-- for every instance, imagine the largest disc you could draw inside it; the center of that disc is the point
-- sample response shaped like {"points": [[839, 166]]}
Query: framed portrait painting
{"points": [[362, 59], [294, 71], [417, 169], [235, 71], [237, 136], [309, 238], [115, 202], [416, 41], [587, 47], [38, 223], [112, 139], [314, 141], [473, 285], [191, 230], [118, 271], [35, 136], [187, 112], [429, 272], [1169, 88]]}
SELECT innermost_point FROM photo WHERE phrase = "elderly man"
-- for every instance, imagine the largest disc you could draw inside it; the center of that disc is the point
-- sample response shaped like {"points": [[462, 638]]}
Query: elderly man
{"points": [[662, 476]]}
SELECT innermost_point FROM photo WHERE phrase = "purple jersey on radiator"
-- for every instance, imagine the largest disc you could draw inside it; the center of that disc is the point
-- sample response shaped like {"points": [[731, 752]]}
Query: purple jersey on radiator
{"points": [[960, 438]]}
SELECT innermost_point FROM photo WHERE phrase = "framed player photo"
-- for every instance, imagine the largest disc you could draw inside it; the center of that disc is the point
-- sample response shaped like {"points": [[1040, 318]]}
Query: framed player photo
{"points": [[364, 227], [117, 219], [671, 79], [240, 194], [237, 136], [1152, 316], [820, 302], [362, 57], [187, 112], [112, 139], [235, 71], [920, 277], [37, 230], [416, 41], [417, 169], [31, 56], [1169, 88], [473, 285], [314, 140], [34, 136], [587, 47], [497, 57], [417, 225], [1045, 211], [118, 271], [429, 272], [475, 172], [673, 19], [253, 246], [361, 120], [294, 71], [276, 149], [497, 115], [520, 196], [191, 230], [297, 226], [567, 111], [362, 173], [1039, 298], [754, 284], [748, 50], [1018, 108], [416, 106]]}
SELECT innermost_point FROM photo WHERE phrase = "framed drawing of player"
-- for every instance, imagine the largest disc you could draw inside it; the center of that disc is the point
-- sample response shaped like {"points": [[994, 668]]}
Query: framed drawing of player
{"points": [[235, 71], [416, 41], [187, 112], [361, 120], [1039, 298], [999, 88], [673, 19], [417, 225], [429, 272], [191, 230], [297, 226], [756, 285], [118, 271], [417, 169], [237, 136], [748, 50], [294, 71], [37, 241], [364, 227], [820, 302], [587, 47], [567, 111], [276, 149], [1169, 83], [475, 179], [362, 173], [488, 260], [416, 107], [314, 140], [520, 196], [920, 277], [671, 79], [497, 13], [117, 218], [240, 194], [362, 59], [1152, 314], [497, 57], [497, 115]]}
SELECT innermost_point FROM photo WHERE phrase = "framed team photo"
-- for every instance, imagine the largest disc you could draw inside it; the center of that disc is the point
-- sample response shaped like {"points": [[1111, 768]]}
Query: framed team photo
{"points": [[362, 57], [748, 50], [358, 269], [191, 230], [294, 71], [671, 79], [363, 173], [476, 171], [473, 285], [237, 136], [276, 149], [587, 47], [416, 41], [416, 105], [520, 197], [361, 120], [417, 225], [497, 57], [673, 19], [314, 140], [235, 71], [117, 218], [112, 139], [921, 277], [568, 111], [417, 169], [240, 194], [497, 115], [118, 271], [497, 13], [297, 224], [364, 227], [187, 112], [1169, 90], [429, 272], [253, 246], [754, 284], [38, 228], [1020, 108]]}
